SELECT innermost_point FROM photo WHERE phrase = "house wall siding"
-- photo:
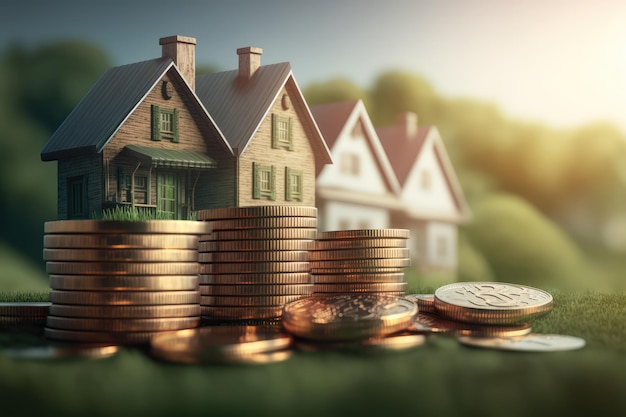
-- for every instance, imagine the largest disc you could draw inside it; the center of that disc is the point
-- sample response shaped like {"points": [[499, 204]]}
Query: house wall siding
{"points": [[260, 150], [213, 189], [89, 166], [339, 215]]}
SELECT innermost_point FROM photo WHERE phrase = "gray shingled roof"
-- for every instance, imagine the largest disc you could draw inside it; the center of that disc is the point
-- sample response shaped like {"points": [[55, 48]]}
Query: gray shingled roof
{"points": [[239, 106], [104, 108]]}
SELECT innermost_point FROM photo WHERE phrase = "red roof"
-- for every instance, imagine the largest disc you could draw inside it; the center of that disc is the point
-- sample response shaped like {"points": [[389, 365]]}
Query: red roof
{"points": [[331, 118], [401, 149]]}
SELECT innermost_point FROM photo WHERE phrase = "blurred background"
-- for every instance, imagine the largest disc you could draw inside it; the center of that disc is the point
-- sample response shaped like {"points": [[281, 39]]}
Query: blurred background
{"points": [[529, 98]]}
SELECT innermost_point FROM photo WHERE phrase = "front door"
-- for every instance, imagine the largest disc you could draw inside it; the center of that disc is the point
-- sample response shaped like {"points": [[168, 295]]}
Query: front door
{"points": [[167, 196]]}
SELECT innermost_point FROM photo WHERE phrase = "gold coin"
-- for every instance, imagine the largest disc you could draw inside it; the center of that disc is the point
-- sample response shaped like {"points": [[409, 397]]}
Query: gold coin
{"points": [[125, 311], [256, 245], [357, 271], [251, 289], [124, 282], [253, 278], [121, 255], [258, 256], [219, 343], [260, 234], [361, 263], [364, 243], [365, 233], [127, 268], [24, 309], [358, 278], [59, 352], [247, 300], [394, 342], [253, 267], [431, 323], [353, 287], [241, 313], [264, 223], [348, 316], [359, 254], [425, 302], [122, 325], [113, 226], [492, 302], [533, 342], [124, 297], [121, 338], [256, 211], [120, 241]]}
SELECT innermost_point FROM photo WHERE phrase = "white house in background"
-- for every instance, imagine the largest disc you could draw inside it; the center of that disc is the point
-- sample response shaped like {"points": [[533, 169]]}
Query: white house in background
{"points": [[360, 190], [434, 203]]}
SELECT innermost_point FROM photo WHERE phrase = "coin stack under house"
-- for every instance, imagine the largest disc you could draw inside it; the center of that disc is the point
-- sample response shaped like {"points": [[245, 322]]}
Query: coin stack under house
{"points": [[360, 261], [254, 260], [121, 282]]}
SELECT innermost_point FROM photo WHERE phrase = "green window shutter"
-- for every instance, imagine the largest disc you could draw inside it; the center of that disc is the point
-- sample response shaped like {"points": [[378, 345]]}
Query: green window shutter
{"points": [[256, 181], [274, 131], [288, 196], [156, 123], [175, 125], [290, 147], [273, 183]]}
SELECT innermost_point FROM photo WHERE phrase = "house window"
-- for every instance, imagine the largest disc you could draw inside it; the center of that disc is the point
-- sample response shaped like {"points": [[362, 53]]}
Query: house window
{"points": [[350, 164], [425, 180], [281, 133], [77, 198], [164, 124], [293, 184], [264, 181], [126, 191]]}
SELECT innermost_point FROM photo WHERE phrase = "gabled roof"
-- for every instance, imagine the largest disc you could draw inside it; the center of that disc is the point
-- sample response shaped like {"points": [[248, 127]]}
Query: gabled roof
{"points": [[105, 107], [401, 149], [334, 118], [239, 106]]}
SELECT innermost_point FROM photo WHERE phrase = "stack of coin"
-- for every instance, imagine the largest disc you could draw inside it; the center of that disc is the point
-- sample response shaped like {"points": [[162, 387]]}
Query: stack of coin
{"points": [[355, 261], [481, 309], [254, 260], [23, 312], [366, 322], [121, 282]]}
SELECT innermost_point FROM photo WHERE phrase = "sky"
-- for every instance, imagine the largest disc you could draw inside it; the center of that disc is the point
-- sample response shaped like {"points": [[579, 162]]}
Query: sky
{"points": [[558, 62]]}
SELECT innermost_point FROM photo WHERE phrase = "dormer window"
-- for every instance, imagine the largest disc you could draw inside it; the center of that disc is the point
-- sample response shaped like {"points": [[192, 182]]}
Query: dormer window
{"points": [[164, 124], [281, 133]]}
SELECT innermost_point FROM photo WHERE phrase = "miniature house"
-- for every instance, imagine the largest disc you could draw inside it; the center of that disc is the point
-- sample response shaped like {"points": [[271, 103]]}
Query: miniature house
{"points": [[145, 136], [393, 177]]}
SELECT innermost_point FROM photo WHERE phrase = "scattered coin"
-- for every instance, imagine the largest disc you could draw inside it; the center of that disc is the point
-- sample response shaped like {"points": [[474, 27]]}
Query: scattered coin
{"points": [[492, 302], [425, 302], [533, 342], [429, 323]]}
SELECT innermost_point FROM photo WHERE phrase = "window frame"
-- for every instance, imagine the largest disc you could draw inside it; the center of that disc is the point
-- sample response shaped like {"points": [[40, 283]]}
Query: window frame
{"points": [[157, 132], [73, 200], [277, 143], [257, 172], [290, 193]]}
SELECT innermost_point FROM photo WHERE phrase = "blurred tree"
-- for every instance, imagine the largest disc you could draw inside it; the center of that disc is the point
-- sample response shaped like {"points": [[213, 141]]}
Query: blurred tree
{"points": [[523, 246], [45, 85], [334, 91]]}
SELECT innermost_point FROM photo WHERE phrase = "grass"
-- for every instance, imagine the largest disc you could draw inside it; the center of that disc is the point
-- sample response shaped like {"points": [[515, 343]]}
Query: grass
{"points": [[131, 213], [441, 378]]}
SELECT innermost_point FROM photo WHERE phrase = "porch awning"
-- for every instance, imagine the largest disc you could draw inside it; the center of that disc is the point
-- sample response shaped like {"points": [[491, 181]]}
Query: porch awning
{"points": [[171, 158]]}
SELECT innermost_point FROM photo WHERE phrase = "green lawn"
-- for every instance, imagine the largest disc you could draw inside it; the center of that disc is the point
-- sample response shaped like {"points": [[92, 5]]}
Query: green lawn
{"points": [[441, 378]]}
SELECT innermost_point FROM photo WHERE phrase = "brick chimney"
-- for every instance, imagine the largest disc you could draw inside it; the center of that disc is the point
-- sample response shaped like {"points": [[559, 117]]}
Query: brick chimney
{"points": [[182, 50], [249, 61], [408, 122]]}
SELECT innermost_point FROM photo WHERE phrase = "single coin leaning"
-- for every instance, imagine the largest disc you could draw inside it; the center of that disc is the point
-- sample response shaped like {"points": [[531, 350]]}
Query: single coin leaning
{"points": [[492, 302], [219, 343], [533, 342], [340, 317]]}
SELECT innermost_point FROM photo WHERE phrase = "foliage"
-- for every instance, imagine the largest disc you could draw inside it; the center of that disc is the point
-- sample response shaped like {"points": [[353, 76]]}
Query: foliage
{"points": [[133, 213], [334, 90], [472, 264], [523, 246]]}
